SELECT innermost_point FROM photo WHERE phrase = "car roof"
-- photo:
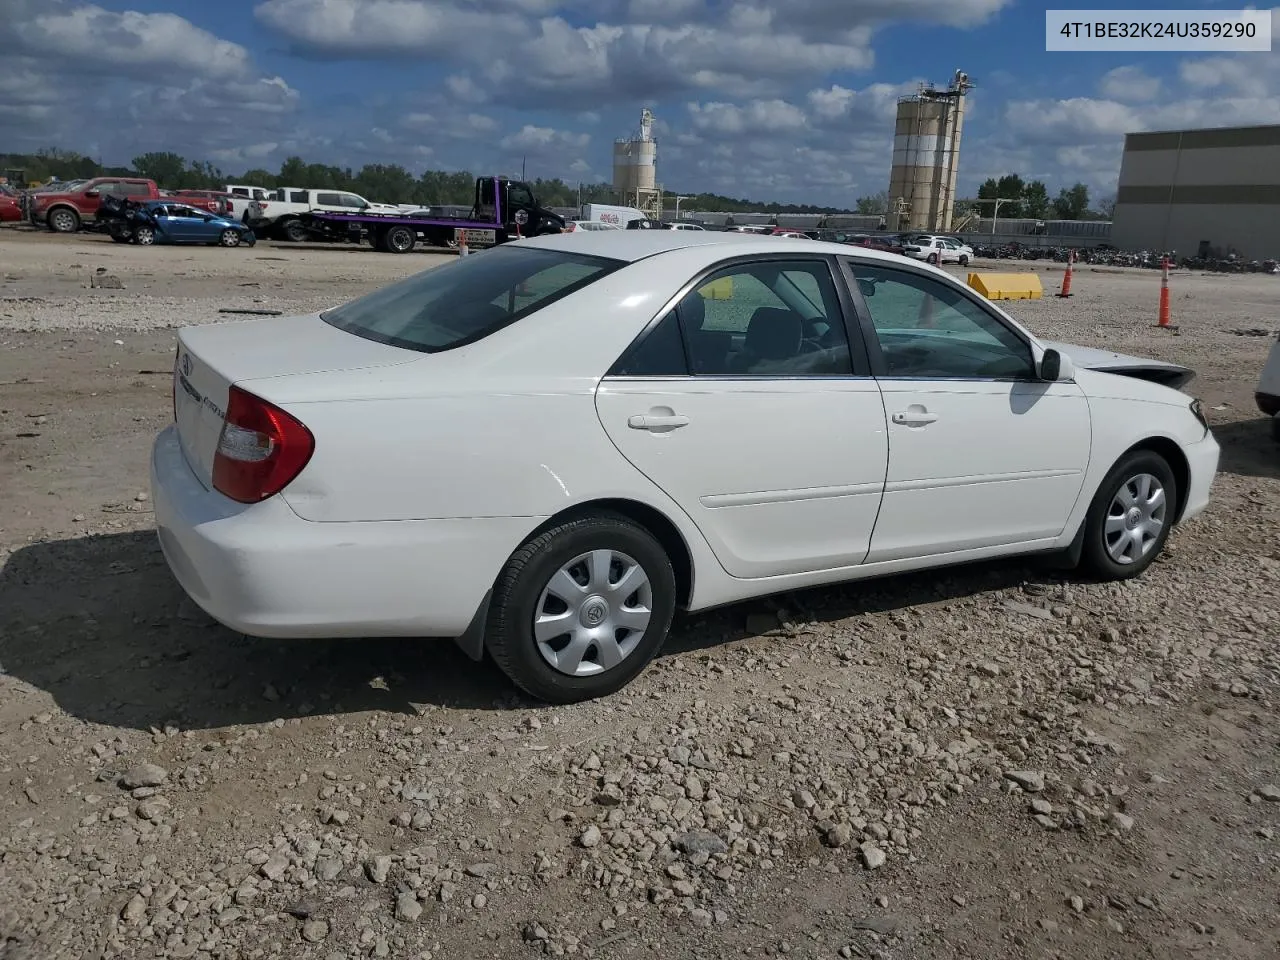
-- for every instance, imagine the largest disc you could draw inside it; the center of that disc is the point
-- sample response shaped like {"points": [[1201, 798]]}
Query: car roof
{"points": [[633, 245]]}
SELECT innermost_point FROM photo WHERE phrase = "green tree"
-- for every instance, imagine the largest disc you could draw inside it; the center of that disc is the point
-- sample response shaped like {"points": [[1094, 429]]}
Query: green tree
{"points": [[1035, 200], [1072, 202], [167, 169], [1009, 188], [875, 204]]}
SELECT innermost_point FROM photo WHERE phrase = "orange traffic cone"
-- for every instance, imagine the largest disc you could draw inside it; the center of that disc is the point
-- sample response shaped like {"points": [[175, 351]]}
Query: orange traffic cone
{"points": [[1066, 277], [461, 236], [1164, 323]]}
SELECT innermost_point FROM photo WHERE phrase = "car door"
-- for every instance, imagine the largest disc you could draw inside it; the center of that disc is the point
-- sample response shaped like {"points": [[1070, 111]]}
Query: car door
{"points": [[981, 452], [751, 406], [183, 223]]}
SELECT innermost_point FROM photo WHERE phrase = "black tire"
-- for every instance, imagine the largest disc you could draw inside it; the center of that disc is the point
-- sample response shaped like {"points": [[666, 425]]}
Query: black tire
{"points": [[400, 239], [229, 238], [144, 236], [1094, 557], [932, 258], [294, 231], [509, 631], [1275, 428], [964, 260], [63, 220]]}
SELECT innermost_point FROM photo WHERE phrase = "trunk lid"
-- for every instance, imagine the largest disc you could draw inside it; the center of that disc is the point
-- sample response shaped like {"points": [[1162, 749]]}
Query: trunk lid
{"points": [[211, 358]]}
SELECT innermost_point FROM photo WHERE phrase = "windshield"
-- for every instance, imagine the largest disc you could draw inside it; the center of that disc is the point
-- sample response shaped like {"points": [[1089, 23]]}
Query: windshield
{"points": [[468, 299]]}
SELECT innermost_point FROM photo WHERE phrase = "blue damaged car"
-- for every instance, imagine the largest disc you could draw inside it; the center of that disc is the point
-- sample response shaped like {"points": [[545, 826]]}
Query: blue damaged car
{"points": [[170, 221]]}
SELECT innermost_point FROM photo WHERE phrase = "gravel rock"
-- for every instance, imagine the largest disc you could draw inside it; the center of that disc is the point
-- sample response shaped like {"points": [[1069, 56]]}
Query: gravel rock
{"points": [[589, 837], [315, 931], [1270, 792], [1032, 781], [144, 775], [408, 909], [378, 869]]}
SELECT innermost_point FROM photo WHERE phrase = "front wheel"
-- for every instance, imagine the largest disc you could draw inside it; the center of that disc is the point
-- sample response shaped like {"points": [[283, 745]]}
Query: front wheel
{"points": [[229, 238], [64, 220], [1131, 516], [964, 260], [932, 258], [144, 236], [579, 610]]}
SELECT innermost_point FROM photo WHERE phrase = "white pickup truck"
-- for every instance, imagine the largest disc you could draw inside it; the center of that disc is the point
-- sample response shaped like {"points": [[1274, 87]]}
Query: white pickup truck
{"points": [[278, 213]]}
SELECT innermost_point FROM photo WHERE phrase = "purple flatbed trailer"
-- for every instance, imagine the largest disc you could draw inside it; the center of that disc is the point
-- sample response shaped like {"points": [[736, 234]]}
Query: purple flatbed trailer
{"points": [[396, 233]]}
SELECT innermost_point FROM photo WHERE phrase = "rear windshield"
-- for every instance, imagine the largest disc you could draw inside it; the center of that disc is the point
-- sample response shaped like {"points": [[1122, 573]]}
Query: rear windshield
{"points": [[468, 298]]}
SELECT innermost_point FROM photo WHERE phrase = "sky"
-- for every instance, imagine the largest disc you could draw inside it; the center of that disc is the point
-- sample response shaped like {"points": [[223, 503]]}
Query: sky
{"points": [[787, 100]]}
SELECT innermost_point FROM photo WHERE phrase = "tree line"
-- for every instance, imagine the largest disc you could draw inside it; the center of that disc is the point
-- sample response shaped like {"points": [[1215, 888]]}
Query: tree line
{"points": [[379, 182], [1031, 200]]}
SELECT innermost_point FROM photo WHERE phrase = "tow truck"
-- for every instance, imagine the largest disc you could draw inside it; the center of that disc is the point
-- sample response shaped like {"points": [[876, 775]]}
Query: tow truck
{"points": [[504, 210]]}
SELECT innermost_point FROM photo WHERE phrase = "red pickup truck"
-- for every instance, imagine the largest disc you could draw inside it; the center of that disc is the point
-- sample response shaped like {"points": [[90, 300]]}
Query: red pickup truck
{"points": [[67, 212]]}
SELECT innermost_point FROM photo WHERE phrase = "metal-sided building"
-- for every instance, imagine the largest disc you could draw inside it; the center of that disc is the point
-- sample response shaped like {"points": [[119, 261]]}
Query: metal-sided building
{"points": [[1181, 189]]}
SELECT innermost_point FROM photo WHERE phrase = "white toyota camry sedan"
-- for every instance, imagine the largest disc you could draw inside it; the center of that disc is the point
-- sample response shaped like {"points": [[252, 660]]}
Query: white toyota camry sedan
{"points": [[543, 449]]}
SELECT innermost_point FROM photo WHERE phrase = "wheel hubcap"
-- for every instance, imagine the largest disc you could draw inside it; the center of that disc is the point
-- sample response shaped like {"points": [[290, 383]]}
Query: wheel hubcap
{"points": [[1135, 518], [593, 613]]}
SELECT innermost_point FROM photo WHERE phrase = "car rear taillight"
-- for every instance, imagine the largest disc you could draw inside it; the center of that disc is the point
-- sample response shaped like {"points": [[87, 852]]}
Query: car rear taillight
{"points": [[261, 449]]}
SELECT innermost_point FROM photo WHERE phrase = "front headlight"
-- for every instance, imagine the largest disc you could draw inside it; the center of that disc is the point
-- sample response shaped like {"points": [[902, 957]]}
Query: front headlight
{"points": [[1197, 410]]}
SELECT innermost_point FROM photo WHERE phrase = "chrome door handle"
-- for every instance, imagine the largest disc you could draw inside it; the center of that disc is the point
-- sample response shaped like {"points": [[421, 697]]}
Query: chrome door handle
{"points": [[652, 422], [913, 419]]}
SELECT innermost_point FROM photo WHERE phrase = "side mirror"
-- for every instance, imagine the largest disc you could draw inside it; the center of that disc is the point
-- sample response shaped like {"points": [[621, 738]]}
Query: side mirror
{"points": [[1055, 367], [867, 288]]}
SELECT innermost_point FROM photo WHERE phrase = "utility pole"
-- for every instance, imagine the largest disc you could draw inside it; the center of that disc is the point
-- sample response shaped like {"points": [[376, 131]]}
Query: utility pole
{"points": [[678, 199], [522, 175]]}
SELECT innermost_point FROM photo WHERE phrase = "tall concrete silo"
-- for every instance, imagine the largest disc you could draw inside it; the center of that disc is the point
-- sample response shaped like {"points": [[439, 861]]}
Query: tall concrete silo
{"points": [[926, 158], [635, 170]]}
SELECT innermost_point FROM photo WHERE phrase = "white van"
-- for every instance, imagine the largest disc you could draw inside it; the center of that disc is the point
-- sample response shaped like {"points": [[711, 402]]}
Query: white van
{"points": [[607, 213]]}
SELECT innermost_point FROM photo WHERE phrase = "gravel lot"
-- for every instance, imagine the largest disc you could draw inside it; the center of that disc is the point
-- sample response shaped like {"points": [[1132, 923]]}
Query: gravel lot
{"points": [[995, 761]]}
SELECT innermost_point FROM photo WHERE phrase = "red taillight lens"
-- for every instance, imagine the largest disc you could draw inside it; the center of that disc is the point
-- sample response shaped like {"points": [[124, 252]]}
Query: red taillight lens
{"points": [[261, 449]]}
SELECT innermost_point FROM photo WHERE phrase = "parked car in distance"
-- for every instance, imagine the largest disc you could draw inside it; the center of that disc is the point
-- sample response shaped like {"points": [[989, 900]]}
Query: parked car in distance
{"points": [[872, 242], [685, 225], [938, 250], [214, 201], [171, 221], [1267, 394], [77, 204], [758, 415], [588, 226]]}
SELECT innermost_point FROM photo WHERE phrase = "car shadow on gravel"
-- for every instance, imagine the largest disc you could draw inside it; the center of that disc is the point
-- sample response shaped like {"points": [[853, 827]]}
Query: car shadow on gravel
{"points": [[100, 625], [1248, 448]]}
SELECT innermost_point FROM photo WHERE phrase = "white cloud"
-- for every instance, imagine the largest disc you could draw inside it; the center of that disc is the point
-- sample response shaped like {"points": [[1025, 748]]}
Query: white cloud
{"points": [[1128, 84], [763, 117], [525, 50], [543, 140]]}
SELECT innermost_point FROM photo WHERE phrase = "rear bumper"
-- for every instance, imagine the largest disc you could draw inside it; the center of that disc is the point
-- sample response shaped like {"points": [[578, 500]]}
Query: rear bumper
{"points": [[1202, 459], [264, 571]]}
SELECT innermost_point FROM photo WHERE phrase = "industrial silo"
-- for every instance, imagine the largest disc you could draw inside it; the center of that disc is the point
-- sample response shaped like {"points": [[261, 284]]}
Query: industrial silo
{"points": [[635, 171], [926, 158]]}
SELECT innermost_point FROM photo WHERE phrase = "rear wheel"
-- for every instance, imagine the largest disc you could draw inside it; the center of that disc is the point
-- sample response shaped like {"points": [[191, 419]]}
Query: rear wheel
{"points": [[295, 232], [229, 238], [400, 239], [64, 220], [1131, 516], [579, 610]]}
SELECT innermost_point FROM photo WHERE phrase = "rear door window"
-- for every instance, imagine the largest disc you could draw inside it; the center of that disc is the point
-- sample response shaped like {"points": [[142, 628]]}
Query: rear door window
{"points": [[469, 298]]}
